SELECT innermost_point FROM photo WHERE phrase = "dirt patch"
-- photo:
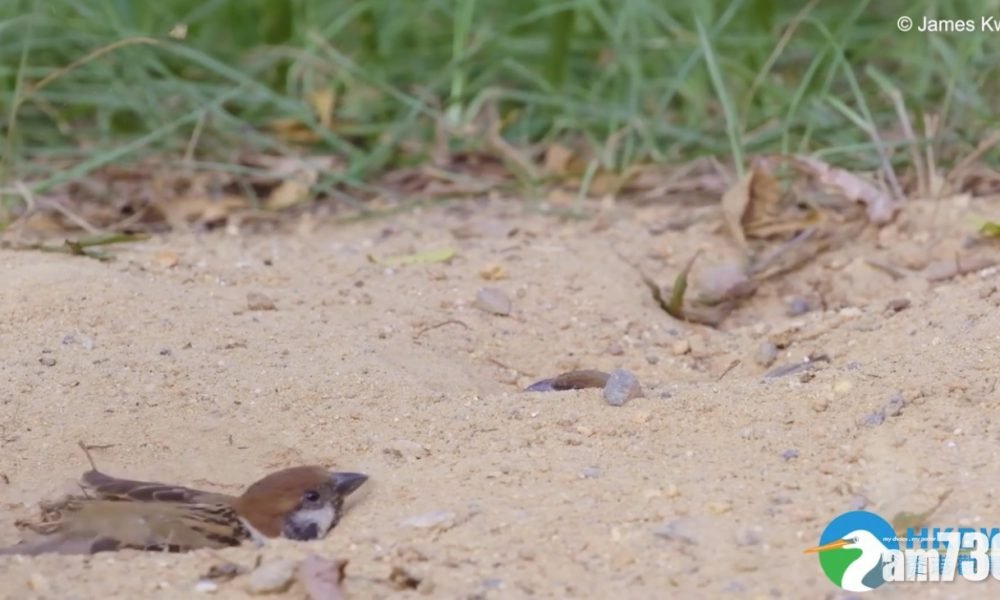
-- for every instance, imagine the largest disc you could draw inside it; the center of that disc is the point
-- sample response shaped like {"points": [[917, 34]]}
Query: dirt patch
{"points": [[209, 360]]}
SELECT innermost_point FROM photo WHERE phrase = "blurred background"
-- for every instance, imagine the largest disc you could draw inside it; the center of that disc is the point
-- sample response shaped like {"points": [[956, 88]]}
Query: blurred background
{"points": [[383, 85]]}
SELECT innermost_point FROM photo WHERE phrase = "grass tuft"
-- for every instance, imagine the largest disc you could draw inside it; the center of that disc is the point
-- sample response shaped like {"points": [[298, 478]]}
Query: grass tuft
{"points": [[634, 80]]}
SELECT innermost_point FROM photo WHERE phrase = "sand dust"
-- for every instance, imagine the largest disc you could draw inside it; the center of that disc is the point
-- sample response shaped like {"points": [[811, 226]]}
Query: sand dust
{"points": [[394, 371]]}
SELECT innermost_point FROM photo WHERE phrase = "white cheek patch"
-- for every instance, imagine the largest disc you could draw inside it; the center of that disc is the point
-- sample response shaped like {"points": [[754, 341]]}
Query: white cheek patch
{"points": [[322, 518]]}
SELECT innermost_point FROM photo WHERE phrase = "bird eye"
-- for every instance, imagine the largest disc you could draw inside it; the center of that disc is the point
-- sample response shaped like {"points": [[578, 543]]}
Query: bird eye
{"points": [[311, 496]]}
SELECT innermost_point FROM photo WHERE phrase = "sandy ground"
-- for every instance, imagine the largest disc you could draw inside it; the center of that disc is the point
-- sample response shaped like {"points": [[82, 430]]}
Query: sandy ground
{"points": [[395, 372]]}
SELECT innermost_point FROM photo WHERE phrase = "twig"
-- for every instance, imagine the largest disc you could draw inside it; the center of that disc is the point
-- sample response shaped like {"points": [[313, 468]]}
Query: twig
{"points": [[930, 132], [731, 366], [72, 216], [923, 181], [438, 325], [199, 125], [982, 148]]}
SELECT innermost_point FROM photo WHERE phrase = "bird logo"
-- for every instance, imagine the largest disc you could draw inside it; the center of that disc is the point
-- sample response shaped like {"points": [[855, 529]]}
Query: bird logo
{"points": [[853, 549], [299, 503]]}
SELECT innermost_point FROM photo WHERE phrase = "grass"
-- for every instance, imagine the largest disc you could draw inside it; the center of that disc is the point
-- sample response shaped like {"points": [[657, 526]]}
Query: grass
{"points": [[86, 83]]}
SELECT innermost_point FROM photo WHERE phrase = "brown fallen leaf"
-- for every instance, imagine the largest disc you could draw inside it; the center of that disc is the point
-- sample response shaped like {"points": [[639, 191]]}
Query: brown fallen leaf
{"points": [[323, 101], [322, 577], [419, 258], [572, 380], [293, 131], [402, 579], [751, 201], [259, 301], [879, 205], [557, 159], [493, 273], [198, 209], [166, 259], [288, 193], [734, 205]]}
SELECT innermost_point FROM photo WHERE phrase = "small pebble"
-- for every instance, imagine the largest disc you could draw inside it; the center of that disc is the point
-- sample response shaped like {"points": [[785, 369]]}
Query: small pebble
{"points": [[258, 301], [875, 419], [40, 584], [652, 359], [621, 387], [642, 416], [165, 352], [842, 386], [894, 407], [719, 508], [493, 583], [797, 307], [494, 301], [615, 349], [591, 473], [271, 577], [766, 353], [47, 361], [206, 586], [749, 536], [790, 454], [858, 502], [432, 520], [680, 347], [897, 304], [677, 530]]}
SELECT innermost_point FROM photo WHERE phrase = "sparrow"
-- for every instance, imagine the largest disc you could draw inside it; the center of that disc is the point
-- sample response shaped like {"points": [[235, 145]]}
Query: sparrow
{"points": [[299, 503]]}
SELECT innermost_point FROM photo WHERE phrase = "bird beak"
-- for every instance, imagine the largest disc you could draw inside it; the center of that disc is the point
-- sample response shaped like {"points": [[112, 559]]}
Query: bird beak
{"points": [[831, 546], [345, 483]]}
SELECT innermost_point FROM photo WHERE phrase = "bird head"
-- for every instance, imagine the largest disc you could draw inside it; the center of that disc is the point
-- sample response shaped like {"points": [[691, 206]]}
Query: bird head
{"points": [[859, 539], [299, 503]]}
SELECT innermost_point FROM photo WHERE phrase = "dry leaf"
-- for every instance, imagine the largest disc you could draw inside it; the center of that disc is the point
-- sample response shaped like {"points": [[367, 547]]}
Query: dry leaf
{"points": [[289, 193], [166, 259], [734, 205], [185, 210], [990, 229], [557, 159], [428, 256], [285, 167], [604, 183], [493, 273], [879, 206], [292, 130], [322, 102], [750, 204], [573, 380], [764, 199], [560, 197]]}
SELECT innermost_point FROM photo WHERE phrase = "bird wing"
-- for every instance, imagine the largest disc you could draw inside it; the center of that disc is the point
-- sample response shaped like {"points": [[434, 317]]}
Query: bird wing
{"points": [[106, 487], [88, 525]]}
